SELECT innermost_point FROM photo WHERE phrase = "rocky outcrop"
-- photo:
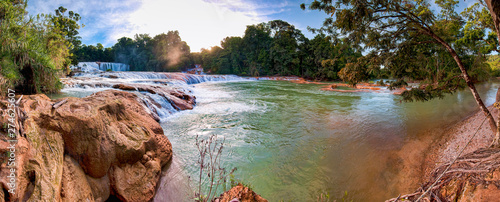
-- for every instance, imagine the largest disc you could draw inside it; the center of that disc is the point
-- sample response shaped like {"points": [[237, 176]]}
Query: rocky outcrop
{"points": [[179, 99], [86, 149], [240, 193]]}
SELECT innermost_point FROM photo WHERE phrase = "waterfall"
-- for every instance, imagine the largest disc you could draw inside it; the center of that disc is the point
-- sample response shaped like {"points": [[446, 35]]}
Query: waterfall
{"points": [[186, 78], [158, 103], [100, 66]]}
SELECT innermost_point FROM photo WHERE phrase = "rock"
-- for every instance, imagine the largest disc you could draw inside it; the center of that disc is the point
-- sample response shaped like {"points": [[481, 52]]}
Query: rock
{"points": [[240, 193], [74, 182], [473, 188], [105, 129], [135, 182], [180, 100], [39, 155], [123, 87], [100, 187], [103, 136]]}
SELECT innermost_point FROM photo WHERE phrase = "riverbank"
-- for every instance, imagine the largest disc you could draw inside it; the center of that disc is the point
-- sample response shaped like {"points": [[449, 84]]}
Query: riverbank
{"points": [[424, 157], [336, 86]]}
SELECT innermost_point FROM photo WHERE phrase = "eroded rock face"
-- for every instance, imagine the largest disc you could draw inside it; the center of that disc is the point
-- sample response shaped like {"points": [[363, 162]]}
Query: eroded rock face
{"points": [[94, 140], [135, 182], [100, 187], [74, 182]]}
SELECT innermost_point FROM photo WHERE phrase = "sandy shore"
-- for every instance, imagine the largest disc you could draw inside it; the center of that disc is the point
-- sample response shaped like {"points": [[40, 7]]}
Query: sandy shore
{"points": [[421, 155]]}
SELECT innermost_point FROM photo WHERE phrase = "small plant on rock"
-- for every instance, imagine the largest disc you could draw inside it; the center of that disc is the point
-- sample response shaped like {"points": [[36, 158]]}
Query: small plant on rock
{"points": [[211, 172]]}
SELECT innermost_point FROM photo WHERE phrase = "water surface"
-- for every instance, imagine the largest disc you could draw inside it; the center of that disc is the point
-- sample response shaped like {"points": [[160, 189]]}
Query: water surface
{"points": [[293, 142]]}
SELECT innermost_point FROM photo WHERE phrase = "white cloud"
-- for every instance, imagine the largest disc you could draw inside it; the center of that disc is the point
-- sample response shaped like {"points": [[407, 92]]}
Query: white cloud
{"points": [[201, 24], [99, 17]]}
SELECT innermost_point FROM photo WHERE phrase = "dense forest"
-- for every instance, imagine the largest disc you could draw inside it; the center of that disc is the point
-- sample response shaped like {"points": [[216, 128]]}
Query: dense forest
{"points": [[163, 52], [266, 49], [278, 48]]}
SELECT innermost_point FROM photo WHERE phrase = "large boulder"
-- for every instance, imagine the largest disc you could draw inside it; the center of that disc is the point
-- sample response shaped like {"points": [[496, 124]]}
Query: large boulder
{"points": [[39, 154], [107, 128], [93, 140]]}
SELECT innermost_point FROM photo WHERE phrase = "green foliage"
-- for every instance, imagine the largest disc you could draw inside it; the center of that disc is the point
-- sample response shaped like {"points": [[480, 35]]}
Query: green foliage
{"points": [[412, 42], [92, 53], [353, 73], [34, 50], [479, 29], [494, 64], [67, 26], [164, 52], [278, 48]]}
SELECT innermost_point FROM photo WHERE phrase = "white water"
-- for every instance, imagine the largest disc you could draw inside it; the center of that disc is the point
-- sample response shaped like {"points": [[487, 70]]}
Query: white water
{"points": [[100, 66], [84, 84]]}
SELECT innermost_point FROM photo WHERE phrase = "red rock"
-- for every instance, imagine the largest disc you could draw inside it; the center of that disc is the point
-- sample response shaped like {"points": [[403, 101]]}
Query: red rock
{"points": [[242, 193], [179, 99], [74, 182]]}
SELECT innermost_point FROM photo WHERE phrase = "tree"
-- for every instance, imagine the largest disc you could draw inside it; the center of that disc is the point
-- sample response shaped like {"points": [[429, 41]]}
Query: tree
{"points": [[123, 49], [284, 47], [34, 51], [494, 8], [68, 26], [170, 51], [389, 28], [480, 22]]}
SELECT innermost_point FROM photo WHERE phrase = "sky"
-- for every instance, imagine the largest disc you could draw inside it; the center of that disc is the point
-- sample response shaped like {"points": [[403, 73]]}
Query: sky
{"points": [[201, 23]]}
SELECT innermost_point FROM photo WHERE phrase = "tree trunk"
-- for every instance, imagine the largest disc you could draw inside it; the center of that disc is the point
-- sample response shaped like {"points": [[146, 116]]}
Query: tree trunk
{"points": [[494, 7], [468, 81], [495, 141]]}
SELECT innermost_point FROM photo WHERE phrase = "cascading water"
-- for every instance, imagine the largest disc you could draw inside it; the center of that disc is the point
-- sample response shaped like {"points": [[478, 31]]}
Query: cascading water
{"points": [[100, 66], [84, 84]]}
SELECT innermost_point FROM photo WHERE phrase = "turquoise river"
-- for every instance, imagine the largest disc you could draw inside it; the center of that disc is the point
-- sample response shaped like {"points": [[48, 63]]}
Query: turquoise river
{"points": [[294, 142]]}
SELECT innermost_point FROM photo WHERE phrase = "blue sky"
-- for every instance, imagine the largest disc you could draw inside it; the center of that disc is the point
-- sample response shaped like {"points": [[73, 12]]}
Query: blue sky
{"points": [[201, 23]]}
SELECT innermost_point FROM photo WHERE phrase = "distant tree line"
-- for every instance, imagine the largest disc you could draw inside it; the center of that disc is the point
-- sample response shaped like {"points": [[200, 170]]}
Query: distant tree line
{"points": [[163, 52], [266, 49], [278, 48]]}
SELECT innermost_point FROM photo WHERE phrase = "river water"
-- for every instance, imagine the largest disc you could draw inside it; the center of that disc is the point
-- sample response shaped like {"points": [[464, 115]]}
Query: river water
{"points": [[294, 142]]}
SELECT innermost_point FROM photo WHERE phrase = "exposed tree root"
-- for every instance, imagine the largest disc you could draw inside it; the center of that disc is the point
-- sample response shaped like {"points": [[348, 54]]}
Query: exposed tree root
{"points": [[471, 169]]}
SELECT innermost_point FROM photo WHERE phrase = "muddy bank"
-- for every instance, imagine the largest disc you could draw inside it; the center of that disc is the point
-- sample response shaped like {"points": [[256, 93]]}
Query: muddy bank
{"points": [[424, 157]]}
